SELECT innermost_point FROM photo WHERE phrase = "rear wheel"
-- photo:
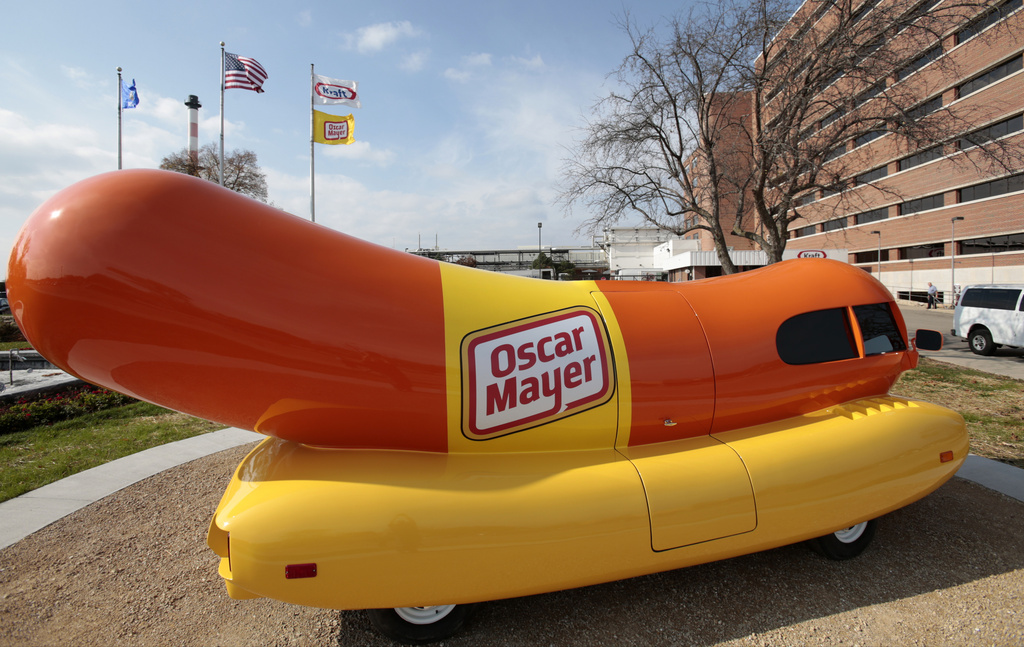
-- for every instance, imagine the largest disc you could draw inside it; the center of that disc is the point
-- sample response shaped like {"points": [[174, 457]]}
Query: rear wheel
{"points": [[420, 625], [846, 543], [981, 342]]}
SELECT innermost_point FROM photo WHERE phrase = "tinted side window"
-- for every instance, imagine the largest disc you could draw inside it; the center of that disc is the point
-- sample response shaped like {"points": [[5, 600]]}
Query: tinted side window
{"points": [[813, 337], [995, 298], [881, 334]]}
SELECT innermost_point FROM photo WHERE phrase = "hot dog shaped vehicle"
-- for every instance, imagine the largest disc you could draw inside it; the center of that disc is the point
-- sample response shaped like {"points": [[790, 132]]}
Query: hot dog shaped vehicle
{"points": [[441, 436]]}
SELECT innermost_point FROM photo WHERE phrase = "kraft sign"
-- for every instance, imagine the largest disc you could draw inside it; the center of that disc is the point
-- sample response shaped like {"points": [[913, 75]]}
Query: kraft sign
{"points": [[532, 372], [837, 254], [334, 92]]}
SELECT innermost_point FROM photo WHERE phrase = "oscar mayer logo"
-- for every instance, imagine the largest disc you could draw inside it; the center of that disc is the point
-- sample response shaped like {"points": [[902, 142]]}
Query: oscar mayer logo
{"points": [[531, 372]]}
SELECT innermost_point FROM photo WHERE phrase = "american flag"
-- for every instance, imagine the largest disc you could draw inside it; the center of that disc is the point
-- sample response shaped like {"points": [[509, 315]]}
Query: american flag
{"points": [[243, 73]]}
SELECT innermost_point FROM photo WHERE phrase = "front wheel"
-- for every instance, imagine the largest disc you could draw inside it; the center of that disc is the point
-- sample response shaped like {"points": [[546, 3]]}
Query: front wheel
{"points": [[420, 625], [846, 543], [981, 342]]}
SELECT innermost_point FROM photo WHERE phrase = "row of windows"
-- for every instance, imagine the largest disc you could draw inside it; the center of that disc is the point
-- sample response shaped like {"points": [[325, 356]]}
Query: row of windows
{"points": [[968, 141], [992, 132], [919, 158], [1004, 69], [993, 188], [922, 204], [978, 191], [919, 62], [985, 21]]}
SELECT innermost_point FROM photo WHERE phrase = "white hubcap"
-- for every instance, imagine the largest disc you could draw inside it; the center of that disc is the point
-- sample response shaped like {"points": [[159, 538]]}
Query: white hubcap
{"points": [[851, 534], [424, 615]]}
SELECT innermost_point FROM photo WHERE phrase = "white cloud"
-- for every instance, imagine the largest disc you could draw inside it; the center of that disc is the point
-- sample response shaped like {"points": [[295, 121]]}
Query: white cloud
{"points": [[414, 62], [468, 68], [305, 18], [374, 38], [535, 63], [359, 151]]}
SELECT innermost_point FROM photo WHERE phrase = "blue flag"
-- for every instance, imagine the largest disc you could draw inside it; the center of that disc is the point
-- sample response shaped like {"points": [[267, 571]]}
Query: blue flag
{"points": [[129, 97]]}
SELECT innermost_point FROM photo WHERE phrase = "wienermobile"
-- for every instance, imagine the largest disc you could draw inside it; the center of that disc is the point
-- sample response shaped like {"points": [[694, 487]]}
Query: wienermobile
{"points": [[440, 436]]}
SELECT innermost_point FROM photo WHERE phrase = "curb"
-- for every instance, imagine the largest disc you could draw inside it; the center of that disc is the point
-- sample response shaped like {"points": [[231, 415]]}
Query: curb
{"points": [[32, 511]]}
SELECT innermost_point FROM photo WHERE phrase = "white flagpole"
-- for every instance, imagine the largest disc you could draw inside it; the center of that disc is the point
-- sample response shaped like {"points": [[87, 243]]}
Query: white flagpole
{"points": [[312, 167], [119, 102], [221, 173]]}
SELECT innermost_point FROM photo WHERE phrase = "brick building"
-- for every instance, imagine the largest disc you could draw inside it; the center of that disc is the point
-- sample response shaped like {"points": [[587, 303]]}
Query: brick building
{"points": [[945, 213]]}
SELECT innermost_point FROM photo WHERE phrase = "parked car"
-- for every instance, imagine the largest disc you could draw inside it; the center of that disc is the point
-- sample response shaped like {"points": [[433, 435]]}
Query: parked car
{"points": [[990, 316]]}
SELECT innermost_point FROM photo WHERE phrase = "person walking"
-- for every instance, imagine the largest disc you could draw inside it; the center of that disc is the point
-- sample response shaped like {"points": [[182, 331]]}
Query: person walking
{"points": [[932, 294]]}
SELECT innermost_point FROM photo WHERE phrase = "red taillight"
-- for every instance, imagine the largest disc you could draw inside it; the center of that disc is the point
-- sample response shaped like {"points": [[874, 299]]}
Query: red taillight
{"points": [[945, 457], [295, 571]]}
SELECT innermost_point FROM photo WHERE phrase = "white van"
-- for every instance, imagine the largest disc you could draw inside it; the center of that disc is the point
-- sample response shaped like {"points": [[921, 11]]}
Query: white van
{"points": [[990, 316]]}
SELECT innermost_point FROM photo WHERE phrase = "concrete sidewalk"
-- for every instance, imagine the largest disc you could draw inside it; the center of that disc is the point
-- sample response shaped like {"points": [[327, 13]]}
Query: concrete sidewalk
{"points": [[23, 515], [35, 510]]}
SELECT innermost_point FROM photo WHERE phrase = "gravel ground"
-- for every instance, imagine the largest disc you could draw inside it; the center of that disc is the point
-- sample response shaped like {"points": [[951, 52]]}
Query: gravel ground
{"points": [[134, 569]]}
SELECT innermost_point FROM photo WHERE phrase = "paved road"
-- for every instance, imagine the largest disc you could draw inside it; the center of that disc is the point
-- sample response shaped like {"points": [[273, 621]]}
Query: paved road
{"points": [[1006, 361]]}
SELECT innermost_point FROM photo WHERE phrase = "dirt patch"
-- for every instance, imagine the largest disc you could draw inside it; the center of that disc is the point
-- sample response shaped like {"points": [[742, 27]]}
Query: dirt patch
{"points": [[134, 569]]}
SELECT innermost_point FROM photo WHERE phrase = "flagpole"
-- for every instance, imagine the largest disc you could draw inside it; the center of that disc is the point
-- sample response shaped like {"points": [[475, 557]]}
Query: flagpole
{"points": [[312, 167], [221, 172], [119, 102]]}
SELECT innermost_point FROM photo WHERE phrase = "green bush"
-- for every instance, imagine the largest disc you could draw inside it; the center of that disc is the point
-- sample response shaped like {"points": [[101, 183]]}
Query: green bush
{"points": [[48, 409], [9, 330]]}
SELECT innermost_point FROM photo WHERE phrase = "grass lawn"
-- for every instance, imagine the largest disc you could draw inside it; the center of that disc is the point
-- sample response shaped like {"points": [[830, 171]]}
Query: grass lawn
{"points": [[43, 454]]}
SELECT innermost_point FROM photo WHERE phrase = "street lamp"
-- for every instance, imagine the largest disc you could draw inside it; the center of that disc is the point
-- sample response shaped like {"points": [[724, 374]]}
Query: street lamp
{"points": [[879, 234], [539, 248], [952, 258]]}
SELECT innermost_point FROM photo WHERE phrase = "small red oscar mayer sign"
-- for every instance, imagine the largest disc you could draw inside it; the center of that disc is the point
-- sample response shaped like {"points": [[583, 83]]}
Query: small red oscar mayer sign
{"points": [[534, 371]]}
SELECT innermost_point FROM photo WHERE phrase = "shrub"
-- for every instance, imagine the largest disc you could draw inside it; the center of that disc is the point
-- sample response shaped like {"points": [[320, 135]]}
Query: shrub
{"points": [[9, 330], [48, 409]]}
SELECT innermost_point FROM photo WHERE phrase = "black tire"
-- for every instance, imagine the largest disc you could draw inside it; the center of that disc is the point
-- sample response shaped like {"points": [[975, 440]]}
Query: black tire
{"points": [[420, 625], [980, 342], [847, 543]]}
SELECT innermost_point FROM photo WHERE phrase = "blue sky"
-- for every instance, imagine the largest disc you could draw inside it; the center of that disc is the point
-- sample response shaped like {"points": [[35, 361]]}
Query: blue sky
{"points": [[468, 107]]}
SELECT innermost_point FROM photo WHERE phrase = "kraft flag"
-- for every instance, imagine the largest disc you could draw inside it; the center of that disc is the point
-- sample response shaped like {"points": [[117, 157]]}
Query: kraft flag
{"points": [[335, 91], [129, 97], [331, 129]]}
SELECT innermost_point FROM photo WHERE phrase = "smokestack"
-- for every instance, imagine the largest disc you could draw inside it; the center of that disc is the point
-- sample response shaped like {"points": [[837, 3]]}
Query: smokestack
{"points": [[193, 106]]}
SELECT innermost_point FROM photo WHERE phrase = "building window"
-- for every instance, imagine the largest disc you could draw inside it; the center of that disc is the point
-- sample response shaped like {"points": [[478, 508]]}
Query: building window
{"points": [[922, 204], [993, 244], [917, 159], [831, 118], [806, 199], [872, 216], [926, 108], [919, 62], [868, 137], [1004, 69], [868, 94], [832, 225], [804, 231], [986, 20], [837, 152], [992, 188], [993, 132], [934, 250], [871, 176]]}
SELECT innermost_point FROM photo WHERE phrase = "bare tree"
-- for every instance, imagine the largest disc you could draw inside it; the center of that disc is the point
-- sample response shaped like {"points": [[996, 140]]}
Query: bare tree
{"points": [[730, 117], [241, 170]]}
